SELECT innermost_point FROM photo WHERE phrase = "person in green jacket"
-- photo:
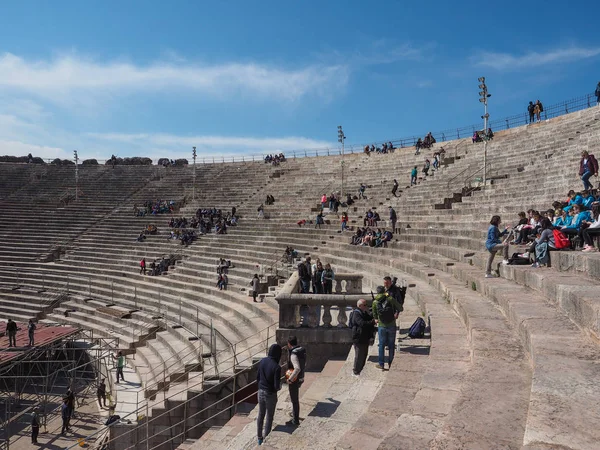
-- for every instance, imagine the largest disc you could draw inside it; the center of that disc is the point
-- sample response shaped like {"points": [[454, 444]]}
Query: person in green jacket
{"points": [[120, 365], [413, 176], [385, 312]]}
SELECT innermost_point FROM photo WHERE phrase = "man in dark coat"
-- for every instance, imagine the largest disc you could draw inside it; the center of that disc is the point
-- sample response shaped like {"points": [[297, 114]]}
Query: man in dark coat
{"points": [[269, 382], [363, 330]]}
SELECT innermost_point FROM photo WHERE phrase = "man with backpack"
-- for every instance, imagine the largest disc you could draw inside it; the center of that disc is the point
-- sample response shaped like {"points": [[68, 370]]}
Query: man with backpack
{"points": [[385, 312], [363, 330], [397, 292]]}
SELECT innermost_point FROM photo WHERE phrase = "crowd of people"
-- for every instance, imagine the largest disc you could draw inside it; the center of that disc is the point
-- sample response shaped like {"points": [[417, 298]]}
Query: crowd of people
{"points": [[371, 237], [155, 207], [387, 147], [315, 276], [158, 266], [275, 159], [480, 135], [572, 224], [426, 142]]}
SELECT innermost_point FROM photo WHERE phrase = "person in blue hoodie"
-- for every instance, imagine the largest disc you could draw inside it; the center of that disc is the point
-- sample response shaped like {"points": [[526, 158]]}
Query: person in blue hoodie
{"points": [[494, 244], [574, 228], [268, 380], [588, 199], [575, 198]]}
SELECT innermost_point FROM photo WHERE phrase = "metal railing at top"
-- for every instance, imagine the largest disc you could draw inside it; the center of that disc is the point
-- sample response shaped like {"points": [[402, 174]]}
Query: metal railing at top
{"points": [[262, 346], [557, 109]]}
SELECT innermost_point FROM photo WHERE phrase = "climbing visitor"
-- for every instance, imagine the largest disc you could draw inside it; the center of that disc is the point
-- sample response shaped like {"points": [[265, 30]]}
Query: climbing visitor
{"points": [[588, 166], [395, 188], [385, 312], [268, 380], [413, 176]]}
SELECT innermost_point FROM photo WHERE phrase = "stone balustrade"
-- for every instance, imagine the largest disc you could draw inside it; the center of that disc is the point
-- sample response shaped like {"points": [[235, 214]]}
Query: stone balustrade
{"points": [[319, 310]]}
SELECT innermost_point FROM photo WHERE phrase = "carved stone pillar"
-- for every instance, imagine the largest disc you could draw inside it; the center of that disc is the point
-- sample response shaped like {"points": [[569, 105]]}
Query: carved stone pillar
{"points": [[342, 318], [327, 316]]}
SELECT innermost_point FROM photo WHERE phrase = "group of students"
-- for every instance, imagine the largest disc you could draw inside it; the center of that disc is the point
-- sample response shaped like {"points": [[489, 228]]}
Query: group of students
{"points": [[275, 159], [571, 224], [387, 147], [155, 207], [157, 268], [427, 142], [370, 237]]}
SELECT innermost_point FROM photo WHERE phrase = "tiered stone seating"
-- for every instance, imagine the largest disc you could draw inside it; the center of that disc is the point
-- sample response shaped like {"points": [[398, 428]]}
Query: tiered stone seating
{"points": [[529, 339]]}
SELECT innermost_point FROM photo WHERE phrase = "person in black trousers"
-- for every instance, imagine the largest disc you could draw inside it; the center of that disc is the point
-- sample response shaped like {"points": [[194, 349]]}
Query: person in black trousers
{"points": [[296, 363], [363, 330]]}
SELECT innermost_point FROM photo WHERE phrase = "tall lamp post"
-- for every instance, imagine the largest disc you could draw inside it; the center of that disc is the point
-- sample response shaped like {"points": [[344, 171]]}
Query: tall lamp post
{"points": [[341, 139], [483, 98], [194, 184], [76, 175]]}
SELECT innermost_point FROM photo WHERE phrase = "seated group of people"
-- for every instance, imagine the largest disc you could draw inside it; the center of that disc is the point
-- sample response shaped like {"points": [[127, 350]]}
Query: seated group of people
{"points": [[150, 229], [426, 142], [185, 236], [155, 207], [289, 255], [209, 218], [371, 218], [577, 219], [481, 135], [370, 237], [160, 266], [387, 147], [275, 159]]}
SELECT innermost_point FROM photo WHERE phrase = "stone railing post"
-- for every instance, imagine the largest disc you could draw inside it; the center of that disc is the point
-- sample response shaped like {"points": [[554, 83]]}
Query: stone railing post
{"points": [[342, 317], [327, 316]]}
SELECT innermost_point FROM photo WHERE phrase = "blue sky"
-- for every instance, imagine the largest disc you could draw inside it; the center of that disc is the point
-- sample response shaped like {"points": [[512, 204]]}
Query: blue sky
{"points": [[155, 78]]}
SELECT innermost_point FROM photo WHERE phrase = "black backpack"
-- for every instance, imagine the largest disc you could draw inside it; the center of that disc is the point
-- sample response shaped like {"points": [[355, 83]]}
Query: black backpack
{"points": [[385, 311], [417, 329], [516, 260], [351, 323]]}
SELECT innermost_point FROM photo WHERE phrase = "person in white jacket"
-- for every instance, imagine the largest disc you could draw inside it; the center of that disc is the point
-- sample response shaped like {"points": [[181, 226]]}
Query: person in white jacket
{"points": [[588, 234]]}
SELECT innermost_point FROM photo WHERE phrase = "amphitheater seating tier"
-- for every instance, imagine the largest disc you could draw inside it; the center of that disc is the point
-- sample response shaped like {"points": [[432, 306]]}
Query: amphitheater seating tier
{"points": [[532, 331]]}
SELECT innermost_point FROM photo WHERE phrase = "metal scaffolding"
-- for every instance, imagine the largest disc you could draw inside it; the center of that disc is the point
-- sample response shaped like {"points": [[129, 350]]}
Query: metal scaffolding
{"points": [[30, 380]]}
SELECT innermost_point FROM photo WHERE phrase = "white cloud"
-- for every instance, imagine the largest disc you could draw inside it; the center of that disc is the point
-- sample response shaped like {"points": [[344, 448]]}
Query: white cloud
{"points": [[17, 148], [74, 76], [163, 145], [502, 61]]}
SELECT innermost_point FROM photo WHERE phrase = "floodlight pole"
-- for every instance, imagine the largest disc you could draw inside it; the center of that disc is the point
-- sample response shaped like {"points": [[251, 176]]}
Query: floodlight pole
{"points": [[483, 94], [194, 184], [76, 176], [341, 139]]}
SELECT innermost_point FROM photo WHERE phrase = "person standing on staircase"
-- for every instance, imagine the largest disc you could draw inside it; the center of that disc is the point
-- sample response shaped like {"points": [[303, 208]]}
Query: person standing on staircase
{"points": [[588, 166], [255, 282], [385, 312], [11, 331], [393, 218], [31, 331], [395, 188], [35, 425], [120, 365], [494, 244], [413, 176], [363, 330], [296, 363], [268, 380]]}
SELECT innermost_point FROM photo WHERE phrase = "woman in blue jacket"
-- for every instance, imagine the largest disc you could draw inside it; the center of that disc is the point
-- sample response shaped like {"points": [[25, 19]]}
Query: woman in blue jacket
{"points": [[494, 244]]}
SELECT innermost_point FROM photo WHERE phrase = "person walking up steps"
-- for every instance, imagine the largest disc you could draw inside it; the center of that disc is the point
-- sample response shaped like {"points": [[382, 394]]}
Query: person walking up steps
{"points": [[385, 312], [120, 365], [255, 282], [268, 380], [395, 188], [413, 176]]}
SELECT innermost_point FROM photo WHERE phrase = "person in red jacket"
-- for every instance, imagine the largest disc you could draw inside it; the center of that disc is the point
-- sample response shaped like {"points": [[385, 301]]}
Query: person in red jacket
{"points": [[588, 166]]}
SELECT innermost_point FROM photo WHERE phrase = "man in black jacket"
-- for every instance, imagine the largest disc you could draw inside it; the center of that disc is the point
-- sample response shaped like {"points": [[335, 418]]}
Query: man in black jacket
{"points": [[397, 292], [11, 331], [363, 330], [268, 380]]}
